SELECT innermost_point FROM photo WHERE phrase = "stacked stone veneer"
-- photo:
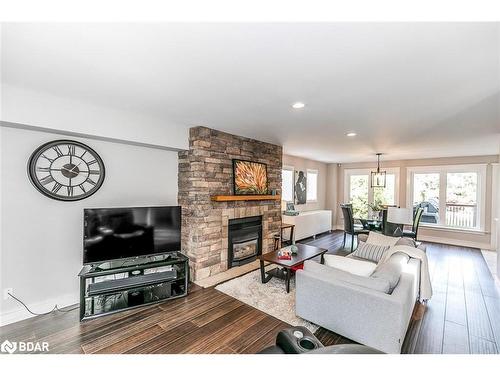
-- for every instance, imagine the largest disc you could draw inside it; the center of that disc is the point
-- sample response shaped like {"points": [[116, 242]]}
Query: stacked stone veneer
{"points": [[206, 170]]}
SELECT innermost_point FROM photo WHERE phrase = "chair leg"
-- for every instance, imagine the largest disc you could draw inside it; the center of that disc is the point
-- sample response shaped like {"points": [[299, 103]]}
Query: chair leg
{"points": [[343, 243], [352, 243]]}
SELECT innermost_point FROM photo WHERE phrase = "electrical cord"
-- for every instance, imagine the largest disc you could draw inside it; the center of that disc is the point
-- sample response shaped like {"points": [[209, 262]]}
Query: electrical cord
{"points": [[56, 308]]}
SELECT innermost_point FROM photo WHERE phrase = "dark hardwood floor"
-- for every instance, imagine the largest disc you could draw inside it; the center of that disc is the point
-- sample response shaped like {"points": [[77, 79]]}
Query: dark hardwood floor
{"points": [[205, 321], [462, 317]]}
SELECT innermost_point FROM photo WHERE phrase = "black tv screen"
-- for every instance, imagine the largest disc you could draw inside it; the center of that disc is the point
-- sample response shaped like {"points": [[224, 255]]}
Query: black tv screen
{"points": [[115, 233]]}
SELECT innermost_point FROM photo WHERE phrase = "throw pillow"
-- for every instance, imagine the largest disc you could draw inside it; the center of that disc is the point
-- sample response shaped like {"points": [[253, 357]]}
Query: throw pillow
{"points": [[356, 267], [378, 239], [370, 252], [391, 270]]}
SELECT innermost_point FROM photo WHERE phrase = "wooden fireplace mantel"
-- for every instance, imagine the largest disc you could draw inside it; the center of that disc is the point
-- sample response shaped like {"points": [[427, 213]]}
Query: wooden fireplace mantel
{"points": [[232, 198]]}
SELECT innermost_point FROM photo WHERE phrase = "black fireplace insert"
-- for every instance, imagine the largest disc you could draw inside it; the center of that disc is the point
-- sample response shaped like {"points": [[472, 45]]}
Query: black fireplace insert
{"points": [[245, 240]]}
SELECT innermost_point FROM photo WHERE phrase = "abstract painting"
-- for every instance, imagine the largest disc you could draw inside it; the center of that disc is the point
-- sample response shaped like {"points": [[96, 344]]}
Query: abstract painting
{"points": [[250, 178], [300, 187]]}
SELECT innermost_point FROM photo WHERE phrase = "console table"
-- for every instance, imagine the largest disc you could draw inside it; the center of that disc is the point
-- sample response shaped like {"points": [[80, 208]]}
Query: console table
{"points": [[123, 284], [309, 223]]}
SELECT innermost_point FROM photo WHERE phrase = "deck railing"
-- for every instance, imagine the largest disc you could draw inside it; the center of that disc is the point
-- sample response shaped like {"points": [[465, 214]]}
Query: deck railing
{"points": [[461, 215]]}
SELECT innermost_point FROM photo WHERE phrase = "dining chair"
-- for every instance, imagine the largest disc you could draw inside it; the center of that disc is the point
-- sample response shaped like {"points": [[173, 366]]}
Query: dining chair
{"points": [[349, 226], [416, 223]]}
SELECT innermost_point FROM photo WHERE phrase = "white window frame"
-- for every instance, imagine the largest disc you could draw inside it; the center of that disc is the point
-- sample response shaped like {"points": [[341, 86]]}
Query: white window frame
{"points": [[316, 172], [443, 170], [292, 169], [366, 171]]}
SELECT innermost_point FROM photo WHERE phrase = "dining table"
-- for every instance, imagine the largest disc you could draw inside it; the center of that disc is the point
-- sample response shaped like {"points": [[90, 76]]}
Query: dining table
{"points": [[371, 224]]}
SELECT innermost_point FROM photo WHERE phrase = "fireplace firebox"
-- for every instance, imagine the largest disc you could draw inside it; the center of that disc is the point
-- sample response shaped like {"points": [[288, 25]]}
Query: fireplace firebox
{"points": [[245, 240]]}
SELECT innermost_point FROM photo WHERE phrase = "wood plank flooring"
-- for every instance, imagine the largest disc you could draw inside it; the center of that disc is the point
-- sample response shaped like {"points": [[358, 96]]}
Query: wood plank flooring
{"points": [[462, 317], [206, 321]]}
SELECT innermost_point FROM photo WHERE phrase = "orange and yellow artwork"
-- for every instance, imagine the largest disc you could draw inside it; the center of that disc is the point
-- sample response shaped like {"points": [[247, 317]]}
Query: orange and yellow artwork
{"points": [[249, 177]]}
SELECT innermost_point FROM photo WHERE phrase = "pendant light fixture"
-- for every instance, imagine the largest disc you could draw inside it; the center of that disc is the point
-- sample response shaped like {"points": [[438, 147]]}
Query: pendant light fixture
{"points": [[378, 177]]}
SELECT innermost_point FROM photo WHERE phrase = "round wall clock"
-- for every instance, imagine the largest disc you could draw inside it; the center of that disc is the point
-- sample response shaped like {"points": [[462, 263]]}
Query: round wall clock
{"points": [[66, 170]]}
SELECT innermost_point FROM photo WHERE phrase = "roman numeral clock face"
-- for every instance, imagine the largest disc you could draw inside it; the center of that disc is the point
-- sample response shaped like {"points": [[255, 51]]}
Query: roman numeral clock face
{"points": [[66, 170]]}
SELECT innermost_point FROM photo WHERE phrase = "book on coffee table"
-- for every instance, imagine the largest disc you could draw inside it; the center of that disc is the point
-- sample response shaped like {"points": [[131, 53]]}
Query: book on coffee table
{"points": [[284, 254]]}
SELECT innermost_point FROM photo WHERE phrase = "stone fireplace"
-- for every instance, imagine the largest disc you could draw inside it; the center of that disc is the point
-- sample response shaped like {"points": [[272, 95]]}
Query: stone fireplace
{"points": [[205, 170]]}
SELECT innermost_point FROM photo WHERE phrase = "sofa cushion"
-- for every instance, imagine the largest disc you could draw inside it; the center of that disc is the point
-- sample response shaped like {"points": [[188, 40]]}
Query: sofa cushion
{"points": [[370, 252], [391, 269], [330, 273], [354, 266], [378, 239]]}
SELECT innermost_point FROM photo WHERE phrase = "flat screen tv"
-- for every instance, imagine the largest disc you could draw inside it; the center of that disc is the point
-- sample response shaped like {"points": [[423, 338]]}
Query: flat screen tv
{"points": [[116, 233]]}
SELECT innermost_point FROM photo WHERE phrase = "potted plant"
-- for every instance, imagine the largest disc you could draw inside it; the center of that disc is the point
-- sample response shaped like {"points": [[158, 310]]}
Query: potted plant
{"points": [[376, 208]]}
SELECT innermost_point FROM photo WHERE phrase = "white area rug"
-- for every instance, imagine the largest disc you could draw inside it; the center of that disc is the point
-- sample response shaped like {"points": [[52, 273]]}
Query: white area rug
{"points": [[270, 298]]}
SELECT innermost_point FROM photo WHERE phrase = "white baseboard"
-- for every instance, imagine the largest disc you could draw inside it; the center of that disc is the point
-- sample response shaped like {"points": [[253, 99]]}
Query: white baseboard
{"points": [[455, 242], [21, 313]]}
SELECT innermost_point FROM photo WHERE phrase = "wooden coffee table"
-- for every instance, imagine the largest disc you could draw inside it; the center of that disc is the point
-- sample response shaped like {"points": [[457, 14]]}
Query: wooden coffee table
{"points": [[304, 252]]}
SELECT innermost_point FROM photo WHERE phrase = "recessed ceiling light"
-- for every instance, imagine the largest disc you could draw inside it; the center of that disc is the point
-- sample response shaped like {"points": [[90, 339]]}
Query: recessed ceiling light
{"points": [[298, 105], [351, 134]]}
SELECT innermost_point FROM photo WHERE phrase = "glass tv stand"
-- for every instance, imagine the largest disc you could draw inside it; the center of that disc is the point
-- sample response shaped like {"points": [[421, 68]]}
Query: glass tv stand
{"points": [[123, 284]]}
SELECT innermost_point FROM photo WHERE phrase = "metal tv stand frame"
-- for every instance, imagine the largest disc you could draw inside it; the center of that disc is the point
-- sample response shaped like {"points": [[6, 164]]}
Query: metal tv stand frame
{"points": [[124, 284]]}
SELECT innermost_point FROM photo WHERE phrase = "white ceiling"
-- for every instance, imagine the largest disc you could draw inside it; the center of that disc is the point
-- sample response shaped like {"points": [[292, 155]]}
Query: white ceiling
{"points": [[412, 90]]}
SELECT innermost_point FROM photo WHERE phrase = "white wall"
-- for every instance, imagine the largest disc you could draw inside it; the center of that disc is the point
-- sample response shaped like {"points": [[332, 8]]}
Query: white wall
{"points": [[28, 107], [301, 164], [332, 180], [498, 221], [41, 238]]}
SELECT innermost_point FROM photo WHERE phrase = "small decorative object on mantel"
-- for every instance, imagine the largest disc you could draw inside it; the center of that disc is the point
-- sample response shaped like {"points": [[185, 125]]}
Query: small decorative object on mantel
{"points": [[249, 177], [66, 170]]}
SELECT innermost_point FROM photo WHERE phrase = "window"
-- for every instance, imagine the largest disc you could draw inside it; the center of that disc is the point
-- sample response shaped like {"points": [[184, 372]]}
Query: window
{"points": [[358, 191], [426, 195], [312, 185], [451, 196], [287, 184], [358, 195], [387, 195], [461, 200]]}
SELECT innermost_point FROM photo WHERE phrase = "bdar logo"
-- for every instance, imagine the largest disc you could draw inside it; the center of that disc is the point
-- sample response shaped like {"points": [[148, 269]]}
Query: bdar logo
{"points": [[8, 347]]}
